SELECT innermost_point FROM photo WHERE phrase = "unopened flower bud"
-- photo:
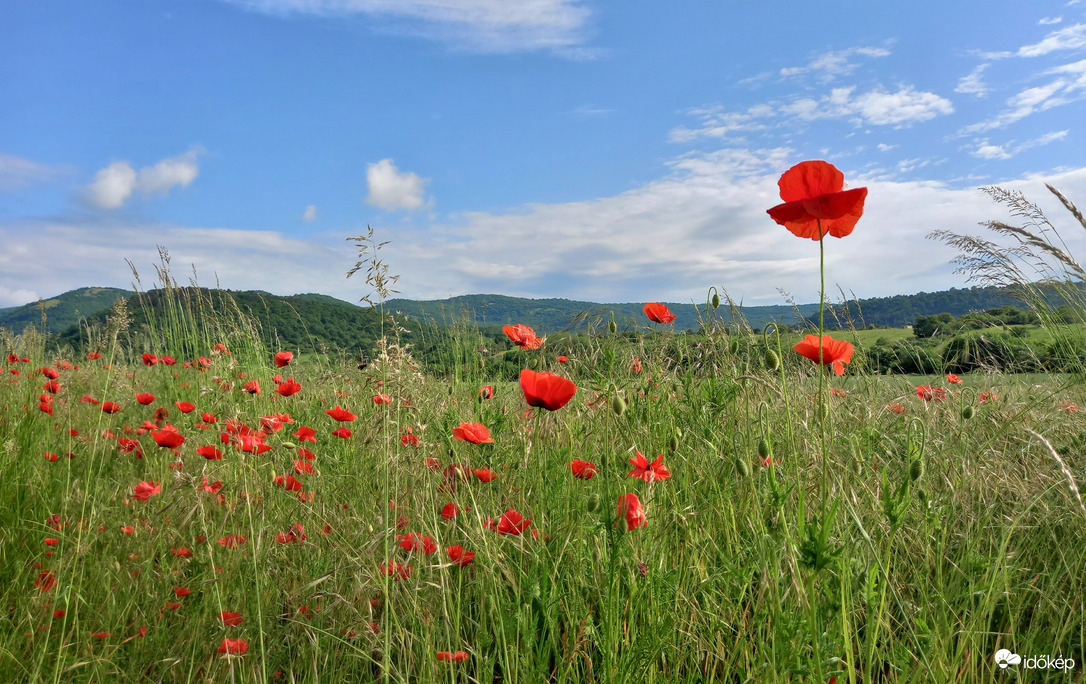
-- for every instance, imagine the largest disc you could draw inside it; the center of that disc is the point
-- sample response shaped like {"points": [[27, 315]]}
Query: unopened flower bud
{"points": [[741, 467], [771, 361], [618, 405], [716, 300], [764, 449], [612, 326], [916, 469], [593, 503], [968, 412]]}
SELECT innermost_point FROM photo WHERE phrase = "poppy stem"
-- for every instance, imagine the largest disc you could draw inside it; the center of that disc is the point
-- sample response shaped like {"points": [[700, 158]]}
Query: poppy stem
{"points": [[821, 355]]}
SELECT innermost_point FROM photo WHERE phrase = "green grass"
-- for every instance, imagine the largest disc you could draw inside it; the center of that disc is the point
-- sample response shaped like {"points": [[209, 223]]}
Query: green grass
{"points": [[834, 562]]}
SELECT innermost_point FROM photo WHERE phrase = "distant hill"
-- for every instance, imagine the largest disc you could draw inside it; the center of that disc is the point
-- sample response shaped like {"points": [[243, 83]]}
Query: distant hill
{"points": [[550, 315], [62, 311], [314, 321]]}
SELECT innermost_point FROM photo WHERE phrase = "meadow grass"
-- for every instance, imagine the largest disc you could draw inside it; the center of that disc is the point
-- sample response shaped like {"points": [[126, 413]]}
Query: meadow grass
{"points": [[912, 548]]}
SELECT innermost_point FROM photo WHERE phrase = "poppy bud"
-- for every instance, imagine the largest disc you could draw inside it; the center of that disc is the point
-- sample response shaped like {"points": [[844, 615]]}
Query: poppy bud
{"points": [[612, 326], [741, 467], [618, 405], [764, 449], [673, 443], [593, 503], [916, 469], [967, 412], [716, 300], [771, 361]]}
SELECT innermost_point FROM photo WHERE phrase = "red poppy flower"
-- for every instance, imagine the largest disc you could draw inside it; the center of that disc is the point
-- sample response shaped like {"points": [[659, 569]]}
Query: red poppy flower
{"points": [[289, 483], [149, 359], [50, 373], [181, 592], [895, 407], [396, 571], [635, 365], [658, 313], [512, 522], [183, 552], [929, 393], [283, 358], [813, 193], [145, 490], [288, 388], [522, 336], [486, 392], [485, 474], [459, 556], [409, 438], [230, 619], [303, 467], [50, 456], [342, 433], [953, 379], [232, 540], [546, 390], [413, 541], [562, 358], [381, 398], [629, 509], [340, 414], [234, 646], [476, 433], [305, 434], [110, 407], [51, 541], [127, 529], [835, 352], [252, 387], [450, 511], [59, 613], [586, 470], [168, 437], [184, 406], [168, 360], [210, 453], [210, 487], [456, 657], [94, 355], [649, 472], [45, 581], [52, 387], [101, 635]]}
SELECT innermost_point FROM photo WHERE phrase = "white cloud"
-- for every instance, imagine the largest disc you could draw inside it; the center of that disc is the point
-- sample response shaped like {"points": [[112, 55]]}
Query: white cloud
{"points": [[875, 107], [17, 173], [478, 25], [883, 147], [985, 150], [112, 186], [17, 297], [829, 65], [1068, 38], [390, 189], [717, 123], [310, 213], [1069, 87], [1049, 21], [168, 173], [973, 84], [116, 183]]}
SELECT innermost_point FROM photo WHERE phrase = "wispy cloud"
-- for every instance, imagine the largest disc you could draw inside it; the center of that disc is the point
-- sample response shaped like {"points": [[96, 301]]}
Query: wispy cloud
{"points": [[878, 107], [1049, 21], [834, 63], [310, 213], [1069, 86], [973, 83], [985, 150], [477, 25], [117, 183], [18, 173], [1068, 38], [389, 188]]}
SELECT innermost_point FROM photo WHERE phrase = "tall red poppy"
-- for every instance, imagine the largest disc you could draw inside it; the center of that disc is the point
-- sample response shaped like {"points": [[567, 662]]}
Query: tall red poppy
{"points": [[145, 490], [341, 414], [585, 470], [283, 358], [522, 336], [168, 437], [476, 433], [459, 556], [234, 646], [835, 352], [629, 509], [288, 388], [658, 313], [546, 390], [512, 522], [649, 472], [813, 193]]}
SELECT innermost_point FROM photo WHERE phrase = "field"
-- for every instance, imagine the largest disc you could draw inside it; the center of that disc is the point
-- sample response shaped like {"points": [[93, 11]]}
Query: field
{"points": [[269, 536]]}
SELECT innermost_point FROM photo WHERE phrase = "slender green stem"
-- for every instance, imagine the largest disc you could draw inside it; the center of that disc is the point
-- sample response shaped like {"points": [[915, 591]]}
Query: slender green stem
{"points": [[821, 364]]}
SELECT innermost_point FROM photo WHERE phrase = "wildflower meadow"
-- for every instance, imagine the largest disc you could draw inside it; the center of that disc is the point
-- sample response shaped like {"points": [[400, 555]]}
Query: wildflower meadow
{"points": [[184, 503]]}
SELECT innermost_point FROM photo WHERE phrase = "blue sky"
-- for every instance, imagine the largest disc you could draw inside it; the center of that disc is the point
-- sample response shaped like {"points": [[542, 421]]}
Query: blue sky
{"points": [[542, 148]]}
